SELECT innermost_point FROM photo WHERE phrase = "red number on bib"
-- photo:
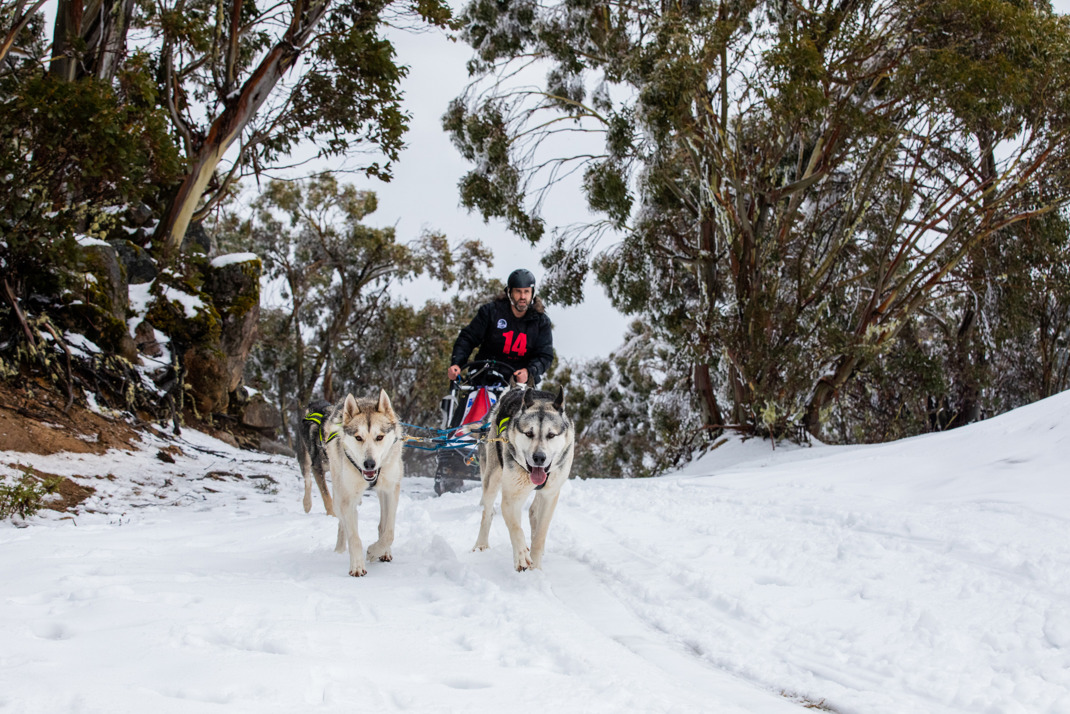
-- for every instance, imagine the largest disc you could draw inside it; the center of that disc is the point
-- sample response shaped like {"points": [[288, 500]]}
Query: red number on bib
{"points": [[520, 347]]}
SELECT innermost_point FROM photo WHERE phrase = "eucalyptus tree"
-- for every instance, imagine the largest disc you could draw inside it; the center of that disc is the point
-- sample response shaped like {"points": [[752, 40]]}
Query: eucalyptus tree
{"points": [[341, 324], [251, 81], [783, 186]]}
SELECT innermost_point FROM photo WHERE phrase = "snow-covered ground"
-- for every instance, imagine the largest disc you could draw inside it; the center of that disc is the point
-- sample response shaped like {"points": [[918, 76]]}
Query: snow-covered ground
{"points": [[928, 575]]}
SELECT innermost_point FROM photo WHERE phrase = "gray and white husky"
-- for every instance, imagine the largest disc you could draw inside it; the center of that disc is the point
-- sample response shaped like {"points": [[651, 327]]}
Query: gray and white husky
{"points": [[533, 451], [362, 440]]}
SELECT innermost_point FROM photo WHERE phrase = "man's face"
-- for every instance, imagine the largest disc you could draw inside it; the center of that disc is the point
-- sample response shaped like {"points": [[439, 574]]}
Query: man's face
{"points": [[521, 298]]}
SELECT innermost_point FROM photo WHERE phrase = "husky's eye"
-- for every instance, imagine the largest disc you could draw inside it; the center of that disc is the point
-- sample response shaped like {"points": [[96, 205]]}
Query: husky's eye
{"points": [[379, 438], [529, 434], [359, 439], [550, 435]]}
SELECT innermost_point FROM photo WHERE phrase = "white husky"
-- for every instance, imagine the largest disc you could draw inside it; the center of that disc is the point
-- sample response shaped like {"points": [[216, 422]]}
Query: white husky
{"points": [[533, 452], [363, 440]]}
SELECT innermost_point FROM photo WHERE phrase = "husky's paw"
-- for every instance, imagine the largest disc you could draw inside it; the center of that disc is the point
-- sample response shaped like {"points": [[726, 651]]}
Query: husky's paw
{"points": [[522, 560], [307, 503], [480, 547], [378, 552], [358, 571]]}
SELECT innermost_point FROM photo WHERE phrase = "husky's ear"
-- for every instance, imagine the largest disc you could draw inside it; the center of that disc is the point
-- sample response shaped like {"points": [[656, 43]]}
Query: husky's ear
{"points": [[528, 400], [559, 400], [384, 405], [350, 409]]}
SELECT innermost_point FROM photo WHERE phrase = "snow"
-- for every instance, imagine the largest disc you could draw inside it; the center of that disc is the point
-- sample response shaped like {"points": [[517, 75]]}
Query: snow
{"points": [[191, 304], [81, 345], [86, 240], [225, 260], [141, 298], [927, 575]]}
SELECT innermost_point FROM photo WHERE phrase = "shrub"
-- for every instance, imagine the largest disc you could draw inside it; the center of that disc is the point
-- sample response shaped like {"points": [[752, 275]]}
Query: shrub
{"points": [[26, 496]]}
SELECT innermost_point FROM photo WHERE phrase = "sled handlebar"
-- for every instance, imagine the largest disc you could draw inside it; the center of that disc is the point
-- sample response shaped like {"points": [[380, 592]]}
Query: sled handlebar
{"points": [[482, 366]]}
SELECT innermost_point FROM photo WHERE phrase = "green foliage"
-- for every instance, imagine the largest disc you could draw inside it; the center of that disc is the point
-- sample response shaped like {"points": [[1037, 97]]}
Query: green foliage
{"points": [[631, 423], [91, 133], [253, 93], [900, 393], [482, 137], [792, 190], [498, 29], [607, 192], [67, 151], [970, 77], [25, 496], [352, 91]]}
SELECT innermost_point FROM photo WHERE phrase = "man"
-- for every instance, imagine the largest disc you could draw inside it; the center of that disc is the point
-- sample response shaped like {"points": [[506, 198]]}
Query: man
{"points": [[512, 329]]}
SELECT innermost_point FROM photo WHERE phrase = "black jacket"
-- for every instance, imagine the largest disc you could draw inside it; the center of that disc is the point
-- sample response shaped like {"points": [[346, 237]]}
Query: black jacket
{"points": [[520, 342]]}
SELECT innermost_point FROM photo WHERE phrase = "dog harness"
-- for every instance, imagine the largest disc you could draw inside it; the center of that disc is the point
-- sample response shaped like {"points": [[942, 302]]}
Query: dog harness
{"points": [[317, 419]]}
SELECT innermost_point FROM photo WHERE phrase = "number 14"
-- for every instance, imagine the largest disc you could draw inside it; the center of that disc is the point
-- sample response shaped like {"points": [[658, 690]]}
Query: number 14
{"points": [[520, 347]]}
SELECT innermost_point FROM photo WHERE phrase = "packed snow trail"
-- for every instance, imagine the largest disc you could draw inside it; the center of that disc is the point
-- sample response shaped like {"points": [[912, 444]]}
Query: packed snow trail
{"points": [[929, 575]]}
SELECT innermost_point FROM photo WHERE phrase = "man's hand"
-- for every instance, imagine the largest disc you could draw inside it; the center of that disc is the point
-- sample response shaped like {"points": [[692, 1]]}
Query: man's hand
{"points": [[453, 371], [521, 376]]}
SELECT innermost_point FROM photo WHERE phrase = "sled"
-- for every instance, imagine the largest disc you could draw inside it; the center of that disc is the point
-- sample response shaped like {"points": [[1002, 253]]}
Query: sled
{"points": [[465, 413]]}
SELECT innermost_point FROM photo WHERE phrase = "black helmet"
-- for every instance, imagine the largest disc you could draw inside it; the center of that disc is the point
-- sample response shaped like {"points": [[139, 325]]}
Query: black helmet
{"points": [[521, 278]]}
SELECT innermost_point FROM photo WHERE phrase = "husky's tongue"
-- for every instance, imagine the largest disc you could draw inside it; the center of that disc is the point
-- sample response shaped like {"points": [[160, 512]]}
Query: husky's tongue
{"points": [[538, 475]]}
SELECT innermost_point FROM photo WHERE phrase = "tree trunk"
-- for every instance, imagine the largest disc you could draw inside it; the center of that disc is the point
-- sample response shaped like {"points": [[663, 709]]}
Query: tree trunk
{"points": [[967, 360], [825, 391], [711, 410], [105, 33], [969, 356], [68, 25], [96, 30]]}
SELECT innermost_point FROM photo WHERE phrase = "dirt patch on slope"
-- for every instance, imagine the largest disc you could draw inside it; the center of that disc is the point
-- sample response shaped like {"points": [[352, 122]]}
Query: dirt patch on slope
{"points": [[32, 420], [64, 494]]}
